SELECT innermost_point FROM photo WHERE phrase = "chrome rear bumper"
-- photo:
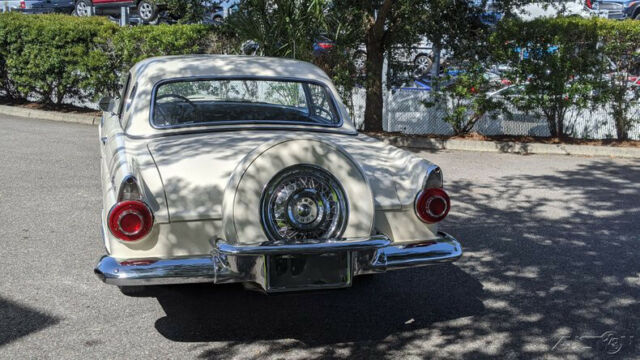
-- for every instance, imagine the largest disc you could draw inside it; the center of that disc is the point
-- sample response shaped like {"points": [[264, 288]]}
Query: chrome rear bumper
{"points": [[246, 264]]}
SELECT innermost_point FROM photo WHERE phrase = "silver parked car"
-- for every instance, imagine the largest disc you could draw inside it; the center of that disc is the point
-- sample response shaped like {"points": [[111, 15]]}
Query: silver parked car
{"points": [[219, 10]]}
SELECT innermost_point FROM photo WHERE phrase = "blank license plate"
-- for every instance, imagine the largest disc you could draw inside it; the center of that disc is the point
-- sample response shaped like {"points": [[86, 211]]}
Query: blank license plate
{"points": [[308, 272]]}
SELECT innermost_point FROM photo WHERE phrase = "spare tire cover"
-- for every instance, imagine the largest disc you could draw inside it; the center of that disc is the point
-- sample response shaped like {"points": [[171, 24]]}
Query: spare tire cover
{"points": [[243, 198]]}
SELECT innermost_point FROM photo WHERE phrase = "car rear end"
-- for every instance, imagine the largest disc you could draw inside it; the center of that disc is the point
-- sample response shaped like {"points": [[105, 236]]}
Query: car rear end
{"points": [[608, 9], [294, 199], [148, 246]]}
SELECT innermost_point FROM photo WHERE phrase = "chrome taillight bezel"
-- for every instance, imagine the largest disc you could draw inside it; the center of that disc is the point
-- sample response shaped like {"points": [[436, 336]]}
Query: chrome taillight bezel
{"points": [[123, 208], [423, 200], [432, 189]]}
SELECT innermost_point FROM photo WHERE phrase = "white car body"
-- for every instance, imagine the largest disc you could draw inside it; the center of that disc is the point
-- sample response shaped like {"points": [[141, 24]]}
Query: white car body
{"points": [[203, 184], [536, 10]]}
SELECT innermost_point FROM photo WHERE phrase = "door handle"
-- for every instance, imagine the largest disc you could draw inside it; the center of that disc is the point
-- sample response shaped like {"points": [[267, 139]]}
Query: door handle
{"points": [[104, 140]]}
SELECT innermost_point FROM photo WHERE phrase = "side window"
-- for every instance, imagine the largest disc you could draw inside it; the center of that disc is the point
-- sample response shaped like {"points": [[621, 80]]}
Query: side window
{"points": [[125, 88], [321, 103], [129, 99], [127, 104]]}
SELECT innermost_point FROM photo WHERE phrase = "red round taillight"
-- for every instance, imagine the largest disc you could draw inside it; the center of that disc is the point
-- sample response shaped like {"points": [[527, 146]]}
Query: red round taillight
{"points": [[432, 205], [130, 220]]}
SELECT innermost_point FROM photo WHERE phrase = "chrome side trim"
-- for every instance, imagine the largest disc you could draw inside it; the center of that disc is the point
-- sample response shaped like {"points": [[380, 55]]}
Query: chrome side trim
{"points": [[246, 264]]}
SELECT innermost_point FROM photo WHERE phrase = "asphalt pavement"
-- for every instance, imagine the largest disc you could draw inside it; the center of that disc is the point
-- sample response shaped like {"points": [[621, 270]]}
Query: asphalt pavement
{"points": [[551, 270]]}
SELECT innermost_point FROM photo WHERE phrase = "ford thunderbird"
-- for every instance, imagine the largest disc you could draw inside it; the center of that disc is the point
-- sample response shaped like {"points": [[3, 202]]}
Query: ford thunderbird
{"points": [[229, 169]]}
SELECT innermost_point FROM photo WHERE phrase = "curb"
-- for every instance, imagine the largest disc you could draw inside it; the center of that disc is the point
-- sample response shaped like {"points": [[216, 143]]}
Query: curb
{"points": [[400, 141], [511, 147], [49, 115]]}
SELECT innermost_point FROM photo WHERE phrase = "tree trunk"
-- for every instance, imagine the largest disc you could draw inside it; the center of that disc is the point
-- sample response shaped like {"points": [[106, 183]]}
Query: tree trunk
{"points": [[560, 121], [620, 119], [375, 40], [435, 67], [374, 102], [622, 132], [551, 122]]}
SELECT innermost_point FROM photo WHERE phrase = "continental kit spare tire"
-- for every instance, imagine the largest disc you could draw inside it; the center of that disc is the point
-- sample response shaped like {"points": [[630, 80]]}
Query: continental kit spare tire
{"points": [[292, 190]]}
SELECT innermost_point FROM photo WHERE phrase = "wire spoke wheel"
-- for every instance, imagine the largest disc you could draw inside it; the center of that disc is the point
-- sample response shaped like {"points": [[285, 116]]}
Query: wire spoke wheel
{"points": [[303, 202]]}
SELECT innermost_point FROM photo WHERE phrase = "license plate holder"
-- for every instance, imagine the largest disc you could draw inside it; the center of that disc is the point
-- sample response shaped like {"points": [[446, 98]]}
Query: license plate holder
{"points": [[308, 271]]}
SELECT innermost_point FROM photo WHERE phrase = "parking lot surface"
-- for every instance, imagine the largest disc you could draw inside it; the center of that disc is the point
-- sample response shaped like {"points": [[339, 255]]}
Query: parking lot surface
{"points": [[550, 270]]}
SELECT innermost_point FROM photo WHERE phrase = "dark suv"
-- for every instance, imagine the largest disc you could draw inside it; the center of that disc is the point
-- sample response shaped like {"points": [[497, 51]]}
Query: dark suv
{"points": [[146, 9]]}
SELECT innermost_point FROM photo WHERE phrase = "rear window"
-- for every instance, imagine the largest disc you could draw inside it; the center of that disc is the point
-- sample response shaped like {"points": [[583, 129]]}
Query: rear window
{"points": [[203, 102]]}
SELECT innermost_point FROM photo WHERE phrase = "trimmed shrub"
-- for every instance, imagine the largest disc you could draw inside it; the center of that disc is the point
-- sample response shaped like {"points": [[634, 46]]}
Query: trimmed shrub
{"points": [[132, 44], [58, 58], [51, 57], [556, 60], [621, 49]]}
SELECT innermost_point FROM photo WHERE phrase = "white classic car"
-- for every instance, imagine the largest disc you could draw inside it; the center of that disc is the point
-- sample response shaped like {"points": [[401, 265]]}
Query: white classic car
{"points": [[230, 169]]}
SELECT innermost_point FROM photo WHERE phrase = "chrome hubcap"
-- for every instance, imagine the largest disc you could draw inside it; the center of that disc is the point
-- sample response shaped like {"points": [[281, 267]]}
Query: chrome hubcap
{"points": [[145, 10], [422, 63], [303, 202], [359, 61], [82, 9], [303, 211]]}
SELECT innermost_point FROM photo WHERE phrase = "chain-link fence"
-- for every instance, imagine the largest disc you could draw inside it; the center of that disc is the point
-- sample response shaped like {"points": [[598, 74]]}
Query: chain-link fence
{"points": [[405, 112]]}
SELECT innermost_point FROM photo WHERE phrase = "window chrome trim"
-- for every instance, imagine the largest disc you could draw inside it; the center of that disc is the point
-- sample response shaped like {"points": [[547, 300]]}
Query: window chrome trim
{"points": [[327, 89]]}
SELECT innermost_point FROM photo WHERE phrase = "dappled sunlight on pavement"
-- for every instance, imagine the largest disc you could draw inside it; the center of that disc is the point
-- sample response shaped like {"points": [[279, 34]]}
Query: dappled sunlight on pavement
{"points": [[550, 270]]}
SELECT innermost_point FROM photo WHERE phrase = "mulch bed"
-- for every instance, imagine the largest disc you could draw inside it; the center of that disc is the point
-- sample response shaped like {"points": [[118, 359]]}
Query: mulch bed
{"points": [[513, 138]]}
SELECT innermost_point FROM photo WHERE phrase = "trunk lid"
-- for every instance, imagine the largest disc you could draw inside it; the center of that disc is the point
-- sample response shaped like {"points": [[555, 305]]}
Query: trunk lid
{"points": [[196, 168]]}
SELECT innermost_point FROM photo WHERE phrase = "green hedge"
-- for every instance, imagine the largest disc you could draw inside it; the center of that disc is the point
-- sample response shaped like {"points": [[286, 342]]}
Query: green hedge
{"points": [[54, 58], [571, 63]]}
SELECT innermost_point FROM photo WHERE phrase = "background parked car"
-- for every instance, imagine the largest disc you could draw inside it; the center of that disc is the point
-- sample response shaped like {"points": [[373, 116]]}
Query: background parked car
{"points": [[615, 9], [219, 10], [633, 10], [544, 9], [420, 55], [147, 10], [37, 6]]}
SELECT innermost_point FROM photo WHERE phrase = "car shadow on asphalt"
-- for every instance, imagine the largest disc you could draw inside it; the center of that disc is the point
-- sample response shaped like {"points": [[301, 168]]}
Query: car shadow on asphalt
{"points": [[550, 270], [18, 320], [374, 308]]}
